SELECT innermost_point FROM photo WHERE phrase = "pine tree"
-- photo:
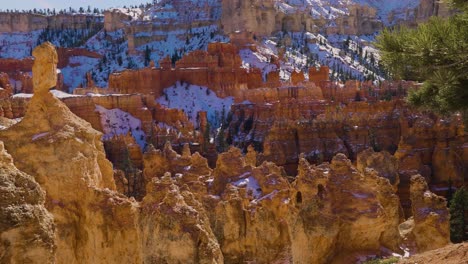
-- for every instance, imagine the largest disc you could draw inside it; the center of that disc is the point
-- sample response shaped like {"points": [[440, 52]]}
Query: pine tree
{"points": [[458, 216], [206, 136], [147, 56], [436, 53]]}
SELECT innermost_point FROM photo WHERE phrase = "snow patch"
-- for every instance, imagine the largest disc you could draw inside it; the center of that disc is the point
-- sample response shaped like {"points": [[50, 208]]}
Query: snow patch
{"points": [[118, 122], [56, 93], [193, 99], [251, 184]]}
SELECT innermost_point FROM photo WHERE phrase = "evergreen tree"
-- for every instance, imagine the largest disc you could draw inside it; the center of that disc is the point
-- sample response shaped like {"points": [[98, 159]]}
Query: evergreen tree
{"points": [[206, 136], [436, 53], [147, 56], [458, 216]]}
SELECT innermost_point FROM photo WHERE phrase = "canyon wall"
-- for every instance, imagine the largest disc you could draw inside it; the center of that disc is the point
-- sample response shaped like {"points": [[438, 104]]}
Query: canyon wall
{"points": [[264, 19], [25, 23], [430, 145]]}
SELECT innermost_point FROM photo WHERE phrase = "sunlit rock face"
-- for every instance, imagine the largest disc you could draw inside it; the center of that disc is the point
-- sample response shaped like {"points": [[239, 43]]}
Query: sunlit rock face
{"points": [[431, 216], [27, 229], [336, 203]]}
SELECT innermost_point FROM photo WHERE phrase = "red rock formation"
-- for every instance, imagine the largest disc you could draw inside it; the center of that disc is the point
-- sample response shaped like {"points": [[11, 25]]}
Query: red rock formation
{"points": [[383, 162], [297, 77], [15, 65], [94, 224], [6, 90], [218, 69], [238, 212], [319, 75], [64, 55]]}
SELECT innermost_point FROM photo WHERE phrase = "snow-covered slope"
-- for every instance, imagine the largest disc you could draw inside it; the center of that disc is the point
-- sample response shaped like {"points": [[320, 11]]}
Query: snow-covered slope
{"points": [[193, 99], [349, 57], [118, 122], [331, 9], [18, 45]]}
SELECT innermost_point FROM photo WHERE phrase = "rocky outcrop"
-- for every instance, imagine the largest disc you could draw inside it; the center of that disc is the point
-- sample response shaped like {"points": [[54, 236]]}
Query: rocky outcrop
{"points": [[450, 254], [114, 20], [26, 227], [431, 217], [433, 147], [175, 226], [257, 215], [238, 212], [335, 203], [383, 162], [19, 69]]}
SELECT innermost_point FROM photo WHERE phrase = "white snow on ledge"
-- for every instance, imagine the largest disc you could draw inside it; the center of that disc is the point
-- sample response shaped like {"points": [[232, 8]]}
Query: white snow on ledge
{"points": [[118, 122], [56, 93]]}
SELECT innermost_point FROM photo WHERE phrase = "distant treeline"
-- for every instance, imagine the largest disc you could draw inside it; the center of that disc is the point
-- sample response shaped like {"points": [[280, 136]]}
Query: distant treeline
{"points": [[52, 12]]}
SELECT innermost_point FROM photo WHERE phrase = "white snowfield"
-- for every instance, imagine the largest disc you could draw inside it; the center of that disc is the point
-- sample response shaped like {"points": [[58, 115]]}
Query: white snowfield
{"points": [[193, 99]]}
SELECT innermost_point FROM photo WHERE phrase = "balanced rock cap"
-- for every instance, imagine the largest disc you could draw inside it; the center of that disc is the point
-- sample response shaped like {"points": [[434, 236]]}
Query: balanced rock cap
{"points": [[44, 68]]}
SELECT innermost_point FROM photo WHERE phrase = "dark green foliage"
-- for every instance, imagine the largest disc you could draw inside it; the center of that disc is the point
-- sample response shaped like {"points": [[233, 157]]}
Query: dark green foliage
{"points": [[390, 260], [458, 216], [147, 56], [436, 53], [207, 135]]}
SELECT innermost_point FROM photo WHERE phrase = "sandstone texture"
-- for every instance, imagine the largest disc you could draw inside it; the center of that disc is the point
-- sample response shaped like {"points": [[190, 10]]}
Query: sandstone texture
{"points": [[450, 254], [27, 229], [431, 217]]}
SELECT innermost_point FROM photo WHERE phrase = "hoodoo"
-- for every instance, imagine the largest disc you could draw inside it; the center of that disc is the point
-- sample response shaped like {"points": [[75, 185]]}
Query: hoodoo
{"points": [[229, 131]]}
